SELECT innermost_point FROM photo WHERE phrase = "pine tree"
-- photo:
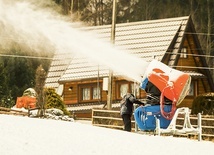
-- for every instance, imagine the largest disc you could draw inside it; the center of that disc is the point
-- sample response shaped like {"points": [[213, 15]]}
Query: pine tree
{"points": [[53, 100]]}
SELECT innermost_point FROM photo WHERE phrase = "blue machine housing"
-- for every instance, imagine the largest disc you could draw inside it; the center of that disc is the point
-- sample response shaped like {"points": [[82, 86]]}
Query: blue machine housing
{"points": [[145, 117]]}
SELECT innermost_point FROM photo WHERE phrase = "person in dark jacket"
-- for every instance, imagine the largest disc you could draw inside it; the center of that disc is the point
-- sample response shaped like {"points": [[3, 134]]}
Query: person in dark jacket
{"points": [[126, 109]]}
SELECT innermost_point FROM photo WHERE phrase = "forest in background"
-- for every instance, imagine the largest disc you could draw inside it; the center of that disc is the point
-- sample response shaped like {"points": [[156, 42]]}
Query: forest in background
{"points": [[18, 73]]}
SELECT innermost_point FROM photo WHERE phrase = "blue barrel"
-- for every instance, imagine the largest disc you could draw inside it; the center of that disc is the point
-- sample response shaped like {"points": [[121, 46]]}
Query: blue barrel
{"points": [[145, 117]]}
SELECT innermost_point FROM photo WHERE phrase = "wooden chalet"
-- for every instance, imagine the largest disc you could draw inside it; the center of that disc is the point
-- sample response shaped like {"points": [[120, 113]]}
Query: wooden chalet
{"points": [[172, 41]]}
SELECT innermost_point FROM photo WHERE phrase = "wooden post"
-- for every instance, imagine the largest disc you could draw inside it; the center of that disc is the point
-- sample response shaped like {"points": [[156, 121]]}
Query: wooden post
{"points": [[109, 99], [199, 127]]}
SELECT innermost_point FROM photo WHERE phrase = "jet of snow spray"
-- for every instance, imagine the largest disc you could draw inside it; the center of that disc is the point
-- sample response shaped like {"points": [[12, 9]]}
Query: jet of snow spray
{"points": [[36, 28]]}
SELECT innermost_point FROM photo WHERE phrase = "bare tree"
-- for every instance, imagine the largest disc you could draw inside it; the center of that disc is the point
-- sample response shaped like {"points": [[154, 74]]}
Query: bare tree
{"points": [[40, 82]]}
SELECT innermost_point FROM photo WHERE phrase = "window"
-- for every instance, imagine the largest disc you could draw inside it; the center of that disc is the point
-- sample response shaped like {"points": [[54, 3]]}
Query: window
{"points": [[183, 52], [96, 93], [191, 90], [124, 87], [89, 92], [135, 89], [86, 94]]}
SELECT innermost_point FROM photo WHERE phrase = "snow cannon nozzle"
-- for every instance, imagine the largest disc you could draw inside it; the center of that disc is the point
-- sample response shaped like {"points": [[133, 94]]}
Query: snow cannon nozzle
{"points": [[174, 84]]}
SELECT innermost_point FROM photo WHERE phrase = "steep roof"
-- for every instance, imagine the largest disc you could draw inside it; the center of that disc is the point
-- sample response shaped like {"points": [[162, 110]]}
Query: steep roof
{"points": [[58, 66], [145, 39]]}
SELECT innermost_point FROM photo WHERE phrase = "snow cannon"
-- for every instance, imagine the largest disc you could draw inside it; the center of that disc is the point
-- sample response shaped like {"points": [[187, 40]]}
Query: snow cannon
{"points": [[173, 85]]}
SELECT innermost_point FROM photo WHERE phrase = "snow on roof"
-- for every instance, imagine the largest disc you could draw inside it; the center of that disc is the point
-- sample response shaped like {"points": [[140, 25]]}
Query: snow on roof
{"points": [[58, 67], [194, 74], [144, 39]]}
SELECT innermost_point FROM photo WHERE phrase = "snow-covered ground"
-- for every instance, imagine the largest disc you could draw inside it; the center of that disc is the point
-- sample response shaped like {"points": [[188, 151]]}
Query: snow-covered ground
{"points": [[30, 136]]}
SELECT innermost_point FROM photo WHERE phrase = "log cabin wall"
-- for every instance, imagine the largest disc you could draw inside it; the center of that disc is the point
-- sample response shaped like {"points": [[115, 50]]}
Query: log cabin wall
{"points": [[199, 84], [202, 84], [72, 91]]}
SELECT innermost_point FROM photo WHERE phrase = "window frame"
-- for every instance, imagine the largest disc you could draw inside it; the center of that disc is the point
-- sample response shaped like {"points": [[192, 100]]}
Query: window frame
{"points": [[91, 87]]}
